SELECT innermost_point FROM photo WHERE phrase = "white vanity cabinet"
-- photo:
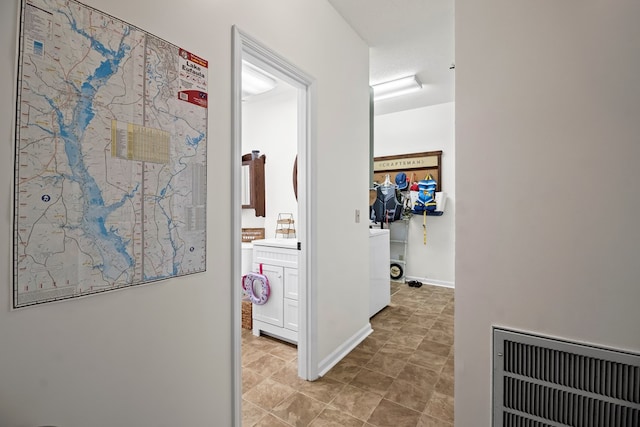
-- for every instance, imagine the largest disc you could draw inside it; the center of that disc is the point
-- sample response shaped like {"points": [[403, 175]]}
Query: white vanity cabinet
{"points": [[278, 317]]}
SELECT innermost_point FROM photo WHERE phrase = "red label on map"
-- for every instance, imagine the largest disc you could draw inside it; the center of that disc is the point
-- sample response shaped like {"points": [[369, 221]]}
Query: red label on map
{"points": [[194, 97], [194, 58]]}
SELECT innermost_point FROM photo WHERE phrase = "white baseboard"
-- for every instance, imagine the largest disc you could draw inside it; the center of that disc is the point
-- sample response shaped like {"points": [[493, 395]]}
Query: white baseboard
{"points": [[442, 283], [339, 353]]}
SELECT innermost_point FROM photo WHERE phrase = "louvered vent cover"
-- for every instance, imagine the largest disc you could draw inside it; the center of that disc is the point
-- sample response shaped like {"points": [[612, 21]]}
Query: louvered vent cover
{"points": [[544, 382]]}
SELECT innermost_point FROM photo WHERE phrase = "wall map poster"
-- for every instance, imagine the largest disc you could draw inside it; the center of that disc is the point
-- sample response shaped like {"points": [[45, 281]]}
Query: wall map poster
{"points": [[110, 155]]}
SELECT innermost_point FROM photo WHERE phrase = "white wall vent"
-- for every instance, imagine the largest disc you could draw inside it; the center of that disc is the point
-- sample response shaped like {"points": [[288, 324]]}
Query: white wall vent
{"points": [[546, 382]]}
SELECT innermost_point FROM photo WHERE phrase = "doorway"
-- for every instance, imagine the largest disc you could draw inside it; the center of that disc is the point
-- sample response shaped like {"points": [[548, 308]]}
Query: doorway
{"points": [[251, 53]]}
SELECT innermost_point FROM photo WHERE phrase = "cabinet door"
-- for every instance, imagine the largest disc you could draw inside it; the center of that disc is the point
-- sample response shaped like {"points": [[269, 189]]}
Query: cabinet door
{"points": [[291, 283], [291, 314], [271, 311]]}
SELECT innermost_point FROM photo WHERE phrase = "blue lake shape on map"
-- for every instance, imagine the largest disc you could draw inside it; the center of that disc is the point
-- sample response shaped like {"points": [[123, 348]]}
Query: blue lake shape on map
{"points": [[113, 249]]}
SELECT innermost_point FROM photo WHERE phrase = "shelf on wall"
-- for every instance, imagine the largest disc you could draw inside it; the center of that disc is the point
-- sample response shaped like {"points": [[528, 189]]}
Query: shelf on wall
{"points": [[429, 213]]}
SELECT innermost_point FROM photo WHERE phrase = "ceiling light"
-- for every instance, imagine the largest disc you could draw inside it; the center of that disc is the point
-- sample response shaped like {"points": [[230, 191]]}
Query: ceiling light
{"points": [[255, 81], [396, 87]]}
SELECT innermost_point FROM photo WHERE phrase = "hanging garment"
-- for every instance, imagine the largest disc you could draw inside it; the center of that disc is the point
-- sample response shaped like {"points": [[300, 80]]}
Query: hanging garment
{"points": [[386, 207], [426, 195]]}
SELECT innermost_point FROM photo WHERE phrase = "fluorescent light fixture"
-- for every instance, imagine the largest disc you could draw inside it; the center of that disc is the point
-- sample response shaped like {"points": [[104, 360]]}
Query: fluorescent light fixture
{"points": [[255, 81], [396, 88]]}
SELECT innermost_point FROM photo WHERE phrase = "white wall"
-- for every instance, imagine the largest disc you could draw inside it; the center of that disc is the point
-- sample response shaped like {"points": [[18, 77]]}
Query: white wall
{"points": [[547, 102], [413, 131], [160, 355], [270, 124]]}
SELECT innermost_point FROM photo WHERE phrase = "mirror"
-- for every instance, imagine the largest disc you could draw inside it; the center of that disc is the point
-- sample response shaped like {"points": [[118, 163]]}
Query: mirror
{"points": [[253, 183], [246, 186]]}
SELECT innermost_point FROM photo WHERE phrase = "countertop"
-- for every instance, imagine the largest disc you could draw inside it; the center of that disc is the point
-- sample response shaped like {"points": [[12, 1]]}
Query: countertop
{"points": [[277, 243]]}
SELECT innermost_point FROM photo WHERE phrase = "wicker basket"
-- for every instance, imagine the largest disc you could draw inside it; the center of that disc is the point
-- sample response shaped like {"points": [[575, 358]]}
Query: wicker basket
{"points": [[247, 315]]}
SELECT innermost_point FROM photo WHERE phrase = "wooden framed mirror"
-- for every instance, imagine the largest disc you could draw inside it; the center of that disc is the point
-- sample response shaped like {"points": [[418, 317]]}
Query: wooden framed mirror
{"points": [[253, 196]]}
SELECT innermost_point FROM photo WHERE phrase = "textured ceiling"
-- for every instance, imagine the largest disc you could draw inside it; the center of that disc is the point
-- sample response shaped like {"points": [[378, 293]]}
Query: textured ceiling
{"points": [[406, 37]]}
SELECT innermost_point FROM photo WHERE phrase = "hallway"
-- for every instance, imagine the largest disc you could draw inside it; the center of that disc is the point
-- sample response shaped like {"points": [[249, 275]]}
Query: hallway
{"points": [[400, 376]]}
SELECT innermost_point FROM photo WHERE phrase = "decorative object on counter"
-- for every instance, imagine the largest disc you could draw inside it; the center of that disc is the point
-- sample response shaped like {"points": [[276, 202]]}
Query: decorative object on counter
{"points": [[253, 195], [285, 225], [251, 234]]}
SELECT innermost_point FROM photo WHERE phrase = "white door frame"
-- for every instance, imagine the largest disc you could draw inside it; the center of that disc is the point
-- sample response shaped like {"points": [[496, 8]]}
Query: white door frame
{"points": [[246, 47]]}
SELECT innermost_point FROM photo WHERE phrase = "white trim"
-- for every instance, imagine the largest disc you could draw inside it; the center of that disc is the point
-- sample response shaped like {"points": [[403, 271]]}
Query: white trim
{"points": [[270, 61], [442, 283], [236, 226], [307, 209], [279, 332], [339, 353], [245, 47]]}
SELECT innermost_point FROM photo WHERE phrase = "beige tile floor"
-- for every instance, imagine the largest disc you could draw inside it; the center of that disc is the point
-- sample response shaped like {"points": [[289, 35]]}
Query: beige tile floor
{"points": [[400, 376]]}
